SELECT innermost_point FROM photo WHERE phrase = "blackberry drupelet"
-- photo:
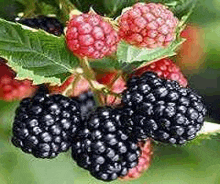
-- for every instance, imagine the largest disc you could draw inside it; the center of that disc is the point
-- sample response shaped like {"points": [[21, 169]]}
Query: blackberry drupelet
{"points": [[102, 146], [163, 110], [86, 102], [48, 24], [44, 125]]}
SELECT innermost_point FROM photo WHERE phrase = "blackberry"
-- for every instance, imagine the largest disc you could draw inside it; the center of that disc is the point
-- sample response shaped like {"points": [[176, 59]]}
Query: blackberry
{"points": [[162, 109], [103, 147], [44, 125], [86, 102], [48, 24]]}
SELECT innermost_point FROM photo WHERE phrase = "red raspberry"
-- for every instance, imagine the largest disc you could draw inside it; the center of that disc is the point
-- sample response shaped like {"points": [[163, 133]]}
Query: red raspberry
{"points": [[144, 162], [165, 68], [90, 35], [148, 25], [12, 89]]}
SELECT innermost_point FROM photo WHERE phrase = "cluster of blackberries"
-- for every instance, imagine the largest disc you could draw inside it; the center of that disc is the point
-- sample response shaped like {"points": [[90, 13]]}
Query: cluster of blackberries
{"points": [[48, 24], [105, 140]]}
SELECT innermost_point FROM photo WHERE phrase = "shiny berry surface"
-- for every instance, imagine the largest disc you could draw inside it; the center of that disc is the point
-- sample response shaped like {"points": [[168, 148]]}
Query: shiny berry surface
{"points": [[44, 125], [103, 147], [163, 109]]}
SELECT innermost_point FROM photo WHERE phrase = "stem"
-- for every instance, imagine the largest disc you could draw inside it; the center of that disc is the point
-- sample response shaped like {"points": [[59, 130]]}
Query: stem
{"points": [[89, 74]]}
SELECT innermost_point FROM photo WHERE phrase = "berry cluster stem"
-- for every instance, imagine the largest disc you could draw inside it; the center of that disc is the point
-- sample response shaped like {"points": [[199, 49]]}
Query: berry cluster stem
{"points": [[89, 75]]}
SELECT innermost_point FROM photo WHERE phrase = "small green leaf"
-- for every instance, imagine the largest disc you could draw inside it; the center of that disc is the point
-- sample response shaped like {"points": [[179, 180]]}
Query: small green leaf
{"points": [[129, 54], [28, 74], [35, 54], [104, 64]]}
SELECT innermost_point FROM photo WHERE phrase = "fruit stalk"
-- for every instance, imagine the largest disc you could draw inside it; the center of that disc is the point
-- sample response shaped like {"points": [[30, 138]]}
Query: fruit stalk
{"points": [[90, 76]]}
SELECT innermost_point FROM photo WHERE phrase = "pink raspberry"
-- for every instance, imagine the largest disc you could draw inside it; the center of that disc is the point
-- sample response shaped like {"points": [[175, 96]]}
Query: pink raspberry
{"points": [[144, 161], [165, 68], [10, 88], [148, 25], [90, 35]]}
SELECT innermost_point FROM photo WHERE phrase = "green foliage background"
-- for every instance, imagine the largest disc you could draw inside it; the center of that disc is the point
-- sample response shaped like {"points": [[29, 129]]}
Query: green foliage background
{"points": [[191, 164]]}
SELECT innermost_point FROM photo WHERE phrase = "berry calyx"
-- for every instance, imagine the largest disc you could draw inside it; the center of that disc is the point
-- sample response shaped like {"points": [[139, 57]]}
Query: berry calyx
{"points": [[165, 68], [148, 25], [89, 35]]}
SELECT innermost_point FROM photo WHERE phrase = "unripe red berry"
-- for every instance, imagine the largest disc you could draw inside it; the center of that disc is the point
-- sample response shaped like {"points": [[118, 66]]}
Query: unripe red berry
{"points": [[91, 36], [12, 89], [148, 25], [165, 68], [143, 162]]}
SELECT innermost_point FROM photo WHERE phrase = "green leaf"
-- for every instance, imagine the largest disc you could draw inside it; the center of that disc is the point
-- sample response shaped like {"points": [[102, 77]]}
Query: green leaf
{"points": [[35, 54], [28, 74], [114, 7], [181, 8], [32, 8], [47, 8], [129, 54], [84, 5], [105, 64]]}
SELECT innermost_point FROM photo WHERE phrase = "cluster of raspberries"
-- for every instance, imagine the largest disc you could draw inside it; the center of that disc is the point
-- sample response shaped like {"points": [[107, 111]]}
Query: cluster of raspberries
{"points": [[106, 141], [143, 25]]}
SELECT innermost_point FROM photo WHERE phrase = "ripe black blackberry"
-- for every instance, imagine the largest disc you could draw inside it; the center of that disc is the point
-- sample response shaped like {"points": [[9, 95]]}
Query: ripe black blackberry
{"points": [[86, 102], [103, 147], [44, 125], [48, 24], [163, 110]]}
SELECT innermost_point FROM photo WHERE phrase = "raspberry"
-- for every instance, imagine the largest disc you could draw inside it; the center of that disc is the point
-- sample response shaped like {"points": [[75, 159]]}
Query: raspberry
{"points": [[148, 25], [89, 35], [143, 162], [10, 88], [48, 24], [163, 110], [44, 125], [165, 68], [103, 147]]}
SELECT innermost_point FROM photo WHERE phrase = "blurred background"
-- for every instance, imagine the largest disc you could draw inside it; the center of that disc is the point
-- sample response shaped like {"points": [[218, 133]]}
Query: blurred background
{"points": [[192, 164]]}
